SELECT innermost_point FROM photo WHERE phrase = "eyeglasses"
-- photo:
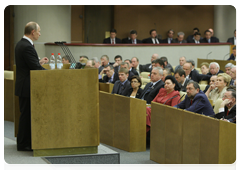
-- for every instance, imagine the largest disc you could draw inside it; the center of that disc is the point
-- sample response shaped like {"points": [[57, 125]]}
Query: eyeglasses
{"points": [[134, 81]]}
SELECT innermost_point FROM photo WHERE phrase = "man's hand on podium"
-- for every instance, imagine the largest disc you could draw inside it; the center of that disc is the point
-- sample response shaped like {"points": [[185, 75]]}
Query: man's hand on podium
{"points": [[43, 60]]}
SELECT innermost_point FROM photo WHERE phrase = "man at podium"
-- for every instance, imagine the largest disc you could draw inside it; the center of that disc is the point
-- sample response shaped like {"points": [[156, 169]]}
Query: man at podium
{"points": [[196, 101], [26, 59]]}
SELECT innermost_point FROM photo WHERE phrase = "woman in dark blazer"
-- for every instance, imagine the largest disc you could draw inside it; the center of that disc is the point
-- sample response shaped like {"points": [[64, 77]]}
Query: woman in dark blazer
{"points": [[135, 90]]}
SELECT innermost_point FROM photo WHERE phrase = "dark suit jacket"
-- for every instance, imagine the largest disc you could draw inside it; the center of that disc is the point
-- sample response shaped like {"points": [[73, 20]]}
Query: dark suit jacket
{"points": [[139, 92], [149, 40], [220, 71], [108, 41], [200, 104], [231, 57], [231, 114], [213, 40], [176, 41], [117, 86], [134, 71], [153, 92], [195, 76], [105, 79], [165, 41], [26, 59], [146, 68], [129, 41], [231, 40], [183, 88], [190, 39]]}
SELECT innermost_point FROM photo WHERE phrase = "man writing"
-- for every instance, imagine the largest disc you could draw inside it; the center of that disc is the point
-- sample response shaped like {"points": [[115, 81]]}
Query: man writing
{"points": [[26, 59]]}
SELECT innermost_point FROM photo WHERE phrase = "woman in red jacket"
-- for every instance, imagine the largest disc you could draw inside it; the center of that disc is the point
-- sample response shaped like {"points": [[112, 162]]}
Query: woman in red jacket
{"points": [[169, 95]]}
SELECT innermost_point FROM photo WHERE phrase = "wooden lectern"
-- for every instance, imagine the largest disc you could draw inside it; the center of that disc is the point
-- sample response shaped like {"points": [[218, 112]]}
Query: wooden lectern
{"points": [[64, 111], [122, 122], [183, 137]]}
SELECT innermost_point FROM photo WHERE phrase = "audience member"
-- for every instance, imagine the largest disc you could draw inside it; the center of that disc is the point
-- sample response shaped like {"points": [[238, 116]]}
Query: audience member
{"points": [[130, 67], [97, 64], [233, 76], [133, 38], [193, 74], [82, 56], [166, 72], [122, 86], [214, 69], [215, 39], [135, 64], [104, 62], [193, 64], [233, 55], [196, 38], [118, 61], [158, 63], [190, 38], [228, 68], [152, 88], [169, 39], [182, 60], [180, 76], [168, 95], [180, 38], [208, 38], [126, 65], [153, 39], [204, 68], [227, 108], [217, 91], [90, 63], [195, 100], [135, 90], [166, 64], [148, 67], [112, 39], [232, 39], [66, 60], [110, 76], [212, 83]]}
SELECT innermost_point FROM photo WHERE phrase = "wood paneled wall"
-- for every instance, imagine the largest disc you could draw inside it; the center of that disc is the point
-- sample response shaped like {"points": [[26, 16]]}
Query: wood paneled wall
{"points": [[77, 23]]}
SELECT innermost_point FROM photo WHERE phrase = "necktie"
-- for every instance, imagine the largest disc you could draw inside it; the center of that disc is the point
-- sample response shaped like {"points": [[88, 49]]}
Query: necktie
{"points": [[208, 40], [191, 102], [120, 89], [113, 41], [33, 46], [133, 42], [227, 112]]}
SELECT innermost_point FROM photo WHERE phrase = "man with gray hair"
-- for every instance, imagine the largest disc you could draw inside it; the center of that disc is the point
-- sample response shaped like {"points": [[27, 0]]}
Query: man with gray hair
{"points": [[214, 69], [228, 68], [97, 64], [233, 76], [148, 67], [180, 38], [182, 60], [152, 88]]}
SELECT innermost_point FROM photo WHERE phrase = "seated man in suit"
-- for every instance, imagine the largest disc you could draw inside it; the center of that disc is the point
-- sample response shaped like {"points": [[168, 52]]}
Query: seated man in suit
{"points": [[122, 86], [126, 66], [153, 39], [182, 60], [214, 69], [193, 74], [169, 39], [232, 39], [233, 55], [151, 89], [228, 68], [212, 83], [133, 38], [208, 38], [180, 38], [135, 64], [110, 76], [118, 61], [158, 63], [166, 64], [112, 39], [104, 62], [97, 63], [195, 100], [190, 38], [90, 63], [215, 39], [180, 76], [148, 67], [227, 108], [130, 67], [196, 38], [166, 72], [233, 76]]}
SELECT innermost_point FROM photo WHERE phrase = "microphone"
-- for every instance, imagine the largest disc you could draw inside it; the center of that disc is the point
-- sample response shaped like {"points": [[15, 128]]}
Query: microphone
{"points": [[197, 104], [170, 99], [208, 54], [180, 100], [226, 55]]}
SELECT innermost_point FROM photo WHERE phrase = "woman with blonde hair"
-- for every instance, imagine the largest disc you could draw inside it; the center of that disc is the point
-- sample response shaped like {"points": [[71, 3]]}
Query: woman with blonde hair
{"points": [[217, 91]]}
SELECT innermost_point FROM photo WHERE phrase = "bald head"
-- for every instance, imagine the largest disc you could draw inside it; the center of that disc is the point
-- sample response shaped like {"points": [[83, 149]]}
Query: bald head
{"points": [[154, 57]]}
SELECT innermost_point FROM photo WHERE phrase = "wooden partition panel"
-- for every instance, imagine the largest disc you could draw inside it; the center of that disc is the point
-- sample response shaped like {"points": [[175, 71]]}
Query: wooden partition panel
{"points": [[221, 63], [9, 100], [64, 108], [123, 122], [106, 87], [106, 117]]}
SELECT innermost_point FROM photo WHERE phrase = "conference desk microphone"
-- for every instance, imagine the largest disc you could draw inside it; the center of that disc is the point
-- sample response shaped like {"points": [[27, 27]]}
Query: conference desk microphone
{"points": [[225, 56], [180, 99], [170, 99], [208, 54]]}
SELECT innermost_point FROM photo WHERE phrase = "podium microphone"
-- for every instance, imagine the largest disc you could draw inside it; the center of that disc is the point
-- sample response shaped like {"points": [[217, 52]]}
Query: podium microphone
{"points": [[170, 99], [208, 54], [226, 55]]}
